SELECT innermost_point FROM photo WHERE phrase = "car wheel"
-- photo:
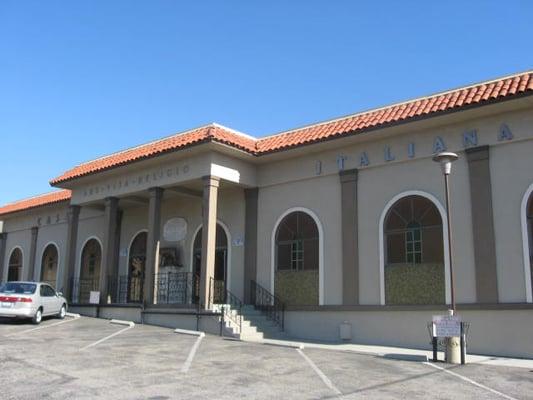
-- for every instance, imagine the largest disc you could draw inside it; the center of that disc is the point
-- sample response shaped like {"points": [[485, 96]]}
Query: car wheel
{"points": [[38, 317], [62, 312]]}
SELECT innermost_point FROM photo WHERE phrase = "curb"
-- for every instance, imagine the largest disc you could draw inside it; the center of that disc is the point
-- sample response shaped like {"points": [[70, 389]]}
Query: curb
{"points": [[188, 332], [269, 343], [406, 357], [72, 315], [121, 322]]}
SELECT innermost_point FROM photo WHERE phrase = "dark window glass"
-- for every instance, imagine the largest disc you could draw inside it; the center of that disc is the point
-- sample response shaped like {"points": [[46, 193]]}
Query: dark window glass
{"points": [[414, 253], [15, 265], [18, 288], [221, 239], [297, 243]]}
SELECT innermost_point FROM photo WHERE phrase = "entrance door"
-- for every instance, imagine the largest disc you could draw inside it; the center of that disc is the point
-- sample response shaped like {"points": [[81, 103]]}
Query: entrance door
{"points": [[219, 286], [137, 264]]}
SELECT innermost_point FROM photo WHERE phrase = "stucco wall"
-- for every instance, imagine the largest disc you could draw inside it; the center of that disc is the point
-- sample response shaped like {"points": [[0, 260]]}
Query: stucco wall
{"points": [[302, 182], [492, 332], [318, 195], [52, 225]]}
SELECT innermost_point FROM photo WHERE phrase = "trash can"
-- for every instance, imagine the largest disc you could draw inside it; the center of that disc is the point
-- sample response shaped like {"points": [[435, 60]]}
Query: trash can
{"points": [[345, 331]]}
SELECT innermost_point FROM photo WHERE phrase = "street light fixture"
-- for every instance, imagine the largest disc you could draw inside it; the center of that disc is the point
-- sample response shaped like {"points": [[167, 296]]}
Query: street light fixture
{"points": [[445, 159]]}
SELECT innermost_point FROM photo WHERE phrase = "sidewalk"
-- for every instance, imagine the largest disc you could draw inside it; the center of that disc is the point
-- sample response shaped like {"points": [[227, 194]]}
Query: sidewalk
{"points": [[400, 352]]}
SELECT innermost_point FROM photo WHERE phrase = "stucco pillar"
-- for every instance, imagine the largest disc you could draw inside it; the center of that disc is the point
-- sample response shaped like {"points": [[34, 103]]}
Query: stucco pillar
{"points": [[209, 228], [250, 240], [109, 254], [483, 224], [350, 252], [73, 217], [33, 249], [152, 242], [3, 241]]}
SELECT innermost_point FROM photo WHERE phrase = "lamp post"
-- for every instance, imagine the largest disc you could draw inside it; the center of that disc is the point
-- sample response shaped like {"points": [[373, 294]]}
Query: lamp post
{"points": [[445, 159], [454, 345]]}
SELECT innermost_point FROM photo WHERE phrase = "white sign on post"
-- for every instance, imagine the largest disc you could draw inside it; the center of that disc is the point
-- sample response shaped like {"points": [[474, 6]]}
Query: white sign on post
{"points": [[446, 325], [94, 297]]}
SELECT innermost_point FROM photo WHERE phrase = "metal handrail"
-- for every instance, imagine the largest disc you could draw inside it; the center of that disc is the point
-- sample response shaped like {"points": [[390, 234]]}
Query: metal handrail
{"points": [[235, 304], [269, 304], [217, 291]]}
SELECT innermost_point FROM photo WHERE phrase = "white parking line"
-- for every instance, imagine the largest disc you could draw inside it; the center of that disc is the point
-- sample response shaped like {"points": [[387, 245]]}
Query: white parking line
{"points": [[187, 364], [130, 326], [322, 376], [472, 382], [42, 327]]}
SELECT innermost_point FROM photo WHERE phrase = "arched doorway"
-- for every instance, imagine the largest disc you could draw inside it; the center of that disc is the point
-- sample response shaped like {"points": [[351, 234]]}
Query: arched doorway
{"points": [[221, 265], [14, 272], [49, 264], [414, 271], [91, 259], [297, 259], [136, 267]]}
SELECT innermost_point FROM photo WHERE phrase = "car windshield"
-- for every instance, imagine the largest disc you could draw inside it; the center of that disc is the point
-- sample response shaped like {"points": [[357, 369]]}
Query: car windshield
{"points": [[18, 288]]}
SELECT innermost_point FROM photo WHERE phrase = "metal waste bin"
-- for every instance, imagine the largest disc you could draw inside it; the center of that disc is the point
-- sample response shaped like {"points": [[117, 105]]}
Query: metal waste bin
{"points": [[345, 331]]}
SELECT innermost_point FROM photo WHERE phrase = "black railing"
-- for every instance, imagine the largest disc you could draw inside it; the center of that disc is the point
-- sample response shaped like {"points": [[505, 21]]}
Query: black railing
{"points": [[269, 305], [125, 289], [218, 294], [236, 305], [82, 288], [176, 288]]}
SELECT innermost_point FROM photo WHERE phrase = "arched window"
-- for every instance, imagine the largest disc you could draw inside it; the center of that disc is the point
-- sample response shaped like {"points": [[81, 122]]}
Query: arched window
{"points": [[137, 262], [297, 259], [91, 258], [414, 253], [49, 265], [15, 265]]}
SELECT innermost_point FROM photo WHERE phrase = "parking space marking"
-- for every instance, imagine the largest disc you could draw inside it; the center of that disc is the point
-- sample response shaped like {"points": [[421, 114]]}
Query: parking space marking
{"points": [[472, 382], [107, 337], [322, 376], [42, 327], [187, 364]]}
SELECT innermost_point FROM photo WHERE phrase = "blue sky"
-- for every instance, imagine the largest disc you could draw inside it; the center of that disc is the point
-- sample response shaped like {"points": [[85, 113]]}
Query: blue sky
{"points": [[81, 79]]}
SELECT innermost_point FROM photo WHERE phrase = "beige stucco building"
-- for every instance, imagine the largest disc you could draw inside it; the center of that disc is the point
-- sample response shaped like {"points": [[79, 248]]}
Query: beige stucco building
{"points": [[340, 221]]}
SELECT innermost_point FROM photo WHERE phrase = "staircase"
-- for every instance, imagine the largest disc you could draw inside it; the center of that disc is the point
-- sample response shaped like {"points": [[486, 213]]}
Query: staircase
{"points": [[252, 322], [248, 323]]}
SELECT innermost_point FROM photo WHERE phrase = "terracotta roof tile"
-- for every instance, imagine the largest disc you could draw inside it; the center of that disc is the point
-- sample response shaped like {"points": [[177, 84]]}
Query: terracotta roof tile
{"points": [[475, 94], [353, 124], [37, 201]]}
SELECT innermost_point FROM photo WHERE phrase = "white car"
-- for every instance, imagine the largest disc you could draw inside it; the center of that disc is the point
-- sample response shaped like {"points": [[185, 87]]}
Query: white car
{"points": [[31, 300]]}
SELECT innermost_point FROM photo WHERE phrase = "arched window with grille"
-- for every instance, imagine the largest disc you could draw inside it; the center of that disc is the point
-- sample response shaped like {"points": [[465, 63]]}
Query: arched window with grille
{"points": [[414, 253], [91, 259], [297, 259]]}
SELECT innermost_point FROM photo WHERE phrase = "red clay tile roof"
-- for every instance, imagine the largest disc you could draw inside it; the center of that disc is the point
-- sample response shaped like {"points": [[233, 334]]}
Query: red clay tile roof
{"points": [[482, 93], [504, 88], [37, 201], [479, 94], [210, 133]]}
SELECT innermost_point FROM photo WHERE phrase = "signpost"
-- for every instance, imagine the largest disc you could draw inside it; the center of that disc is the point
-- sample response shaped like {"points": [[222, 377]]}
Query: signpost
{"points": [[450, 327], [447, 325], [94, 297]]}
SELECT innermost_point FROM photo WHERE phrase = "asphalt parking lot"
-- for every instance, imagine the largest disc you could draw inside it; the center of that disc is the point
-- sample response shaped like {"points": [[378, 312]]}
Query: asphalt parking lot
{"points": [[87, 358]]}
